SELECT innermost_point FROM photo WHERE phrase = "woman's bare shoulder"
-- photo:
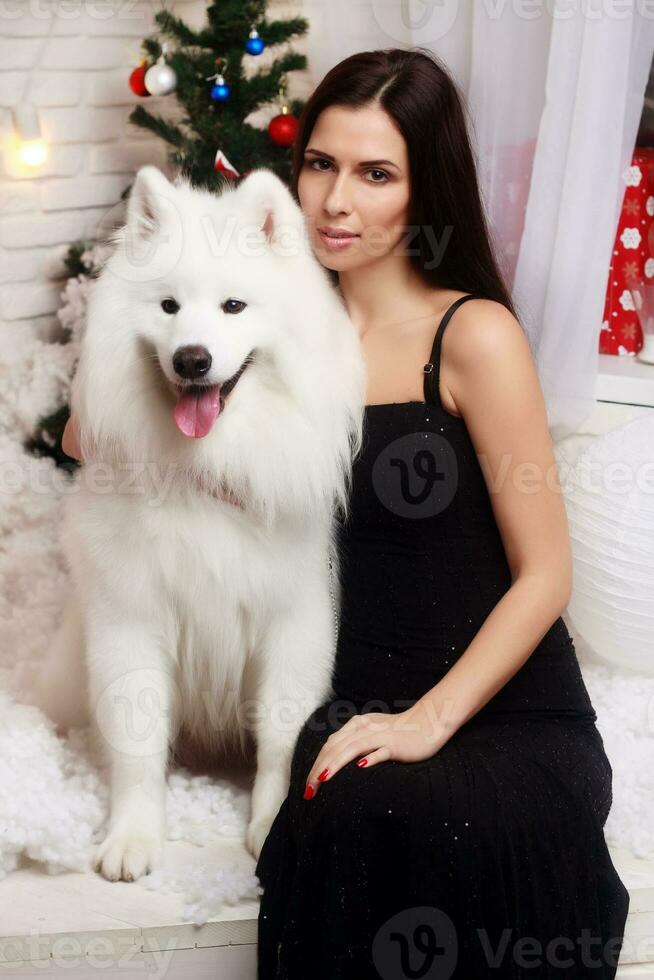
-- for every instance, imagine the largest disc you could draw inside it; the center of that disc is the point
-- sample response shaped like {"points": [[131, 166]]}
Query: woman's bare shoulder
{"points": [[483, 326]]}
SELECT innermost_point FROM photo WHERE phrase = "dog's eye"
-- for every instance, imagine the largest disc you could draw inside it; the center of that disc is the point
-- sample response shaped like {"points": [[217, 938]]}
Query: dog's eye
{"points": [[234, 306], [169, 305]]}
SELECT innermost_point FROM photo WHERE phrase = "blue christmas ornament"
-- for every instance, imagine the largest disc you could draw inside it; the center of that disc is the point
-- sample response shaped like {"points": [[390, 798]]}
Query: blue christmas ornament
{"points": [[221, 90], [254, 44]]}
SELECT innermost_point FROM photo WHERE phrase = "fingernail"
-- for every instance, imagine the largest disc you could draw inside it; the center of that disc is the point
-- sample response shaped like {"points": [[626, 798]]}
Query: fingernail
{"points": [[362, 763], [309, 791], [323, 775]]}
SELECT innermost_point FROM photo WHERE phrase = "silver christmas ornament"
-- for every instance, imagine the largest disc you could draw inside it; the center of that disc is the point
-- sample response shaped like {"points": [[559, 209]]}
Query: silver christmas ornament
{"points": [[160, 79]]}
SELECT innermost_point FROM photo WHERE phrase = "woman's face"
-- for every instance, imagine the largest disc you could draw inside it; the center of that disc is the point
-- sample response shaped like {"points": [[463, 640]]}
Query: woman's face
{"points": [[355, 177]]}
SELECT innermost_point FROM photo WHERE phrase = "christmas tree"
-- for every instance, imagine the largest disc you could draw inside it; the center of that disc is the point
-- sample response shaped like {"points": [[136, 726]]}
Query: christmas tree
{"points": [[215, 79], [214, 76]]}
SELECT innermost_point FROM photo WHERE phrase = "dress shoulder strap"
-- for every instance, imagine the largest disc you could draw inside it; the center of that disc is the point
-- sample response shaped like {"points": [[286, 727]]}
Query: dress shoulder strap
{"points": [[432, 367]]}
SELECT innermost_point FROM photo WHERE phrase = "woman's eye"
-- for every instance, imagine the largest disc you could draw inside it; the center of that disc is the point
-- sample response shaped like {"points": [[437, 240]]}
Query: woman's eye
{"points": [[373, 170], [382, 172], [234, 306], [169, 306]]}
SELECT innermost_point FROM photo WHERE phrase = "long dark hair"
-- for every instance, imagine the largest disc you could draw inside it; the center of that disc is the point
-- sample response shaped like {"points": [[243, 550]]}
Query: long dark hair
{"points": [[419, 94]]}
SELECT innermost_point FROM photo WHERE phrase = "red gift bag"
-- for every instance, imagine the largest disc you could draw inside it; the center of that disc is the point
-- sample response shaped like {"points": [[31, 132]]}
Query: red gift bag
{"points": [[633, 259]]}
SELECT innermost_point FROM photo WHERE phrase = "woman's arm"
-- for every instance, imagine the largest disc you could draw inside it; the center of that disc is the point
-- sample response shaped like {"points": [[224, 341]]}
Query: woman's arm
{"points": [[70, 438], [495, 385]]}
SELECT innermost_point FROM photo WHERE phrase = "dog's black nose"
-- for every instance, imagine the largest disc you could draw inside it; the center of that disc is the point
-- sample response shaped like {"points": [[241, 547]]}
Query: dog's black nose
{"points": [[192, 361]]}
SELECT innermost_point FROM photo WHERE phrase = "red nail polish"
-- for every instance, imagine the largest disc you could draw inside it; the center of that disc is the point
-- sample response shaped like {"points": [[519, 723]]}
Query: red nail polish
{"points": [[309, 791], [362, 763], [323, 775]]}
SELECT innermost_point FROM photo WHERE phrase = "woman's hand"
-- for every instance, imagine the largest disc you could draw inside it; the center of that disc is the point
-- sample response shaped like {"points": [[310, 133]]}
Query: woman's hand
{"points": [[70, 438], [408, 736]]}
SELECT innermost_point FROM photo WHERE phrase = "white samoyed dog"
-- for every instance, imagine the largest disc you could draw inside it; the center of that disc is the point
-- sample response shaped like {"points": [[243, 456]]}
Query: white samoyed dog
{"points": [[219, 393]]}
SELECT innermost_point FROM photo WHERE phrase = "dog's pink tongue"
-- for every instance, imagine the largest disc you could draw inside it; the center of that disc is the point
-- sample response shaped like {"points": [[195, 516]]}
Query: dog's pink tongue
{"points": [[195, 413]]}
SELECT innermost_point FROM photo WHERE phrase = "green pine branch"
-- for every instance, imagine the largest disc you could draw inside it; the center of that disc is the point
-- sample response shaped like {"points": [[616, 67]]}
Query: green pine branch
{"points": [[46, 439], [73, 259], [234, 16], [175, 28], [258, 90], [160, 127], [278, 31]]}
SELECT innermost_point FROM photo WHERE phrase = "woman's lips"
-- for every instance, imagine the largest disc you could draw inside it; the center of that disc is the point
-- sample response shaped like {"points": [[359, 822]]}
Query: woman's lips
{"points": [[337, 243]]}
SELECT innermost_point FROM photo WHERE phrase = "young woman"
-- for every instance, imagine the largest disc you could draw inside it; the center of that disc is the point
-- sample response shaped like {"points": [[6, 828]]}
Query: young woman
{"points": [[446, 808]]}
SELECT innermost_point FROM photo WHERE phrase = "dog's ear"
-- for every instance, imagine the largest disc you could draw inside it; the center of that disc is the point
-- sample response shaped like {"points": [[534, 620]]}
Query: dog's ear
{"points": [[269, 225], [151, 195], [271, 206]]}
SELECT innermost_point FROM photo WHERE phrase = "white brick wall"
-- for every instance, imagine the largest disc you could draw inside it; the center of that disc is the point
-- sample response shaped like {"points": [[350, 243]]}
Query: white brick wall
{"points": [[76, 56]]}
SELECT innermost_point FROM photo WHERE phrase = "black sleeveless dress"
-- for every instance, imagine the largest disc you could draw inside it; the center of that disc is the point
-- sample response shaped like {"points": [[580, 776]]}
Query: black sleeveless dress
{"points": [[488, 859]]}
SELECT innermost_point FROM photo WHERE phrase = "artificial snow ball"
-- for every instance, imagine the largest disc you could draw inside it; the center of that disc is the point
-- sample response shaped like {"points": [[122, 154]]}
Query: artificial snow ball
{"points": [[610, 509]]}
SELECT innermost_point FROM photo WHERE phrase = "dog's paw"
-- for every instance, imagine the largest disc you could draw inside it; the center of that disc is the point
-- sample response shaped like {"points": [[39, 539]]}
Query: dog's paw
{"points": [[126, 856], [256, 834]]}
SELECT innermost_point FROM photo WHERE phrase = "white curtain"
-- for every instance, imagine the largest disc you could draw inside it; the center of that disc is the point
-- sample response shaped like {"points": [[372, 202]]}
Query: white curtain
{"points": [[555, 92]]}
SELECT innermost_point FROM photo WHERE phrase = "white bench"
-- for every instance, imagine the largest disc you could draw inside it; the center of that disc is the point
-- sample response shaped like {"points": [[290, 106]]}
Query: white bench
{"points": [[77, 924]]}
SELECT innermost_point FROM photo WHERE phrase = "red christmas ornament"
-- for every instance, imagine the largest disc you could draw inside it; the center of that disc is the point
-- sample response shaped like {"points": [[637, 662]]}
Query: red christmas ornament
{"points": [[136, 79], [283, 128]]}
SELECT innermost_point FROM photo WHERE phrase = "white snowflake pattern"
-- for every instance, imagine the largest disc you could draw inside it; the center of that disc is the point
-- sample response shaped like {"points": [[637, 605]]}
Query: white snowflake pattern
{"points": [[626, 300], [649, 268], [623, 352], [630, 238], [649, 204], [632, 176]]}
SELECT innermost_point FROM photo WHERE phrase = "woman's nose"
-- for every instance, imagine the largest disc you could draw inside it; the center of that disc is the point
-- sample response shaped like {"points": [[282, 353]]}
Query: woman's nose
{"points": [[338, 198]]}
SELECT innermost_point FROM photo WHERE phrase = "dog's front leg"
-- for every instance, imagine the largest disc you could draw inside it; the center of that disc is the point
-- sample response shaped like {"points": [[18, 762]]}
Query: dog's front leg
{"points": [[294, 678], [131, 686]]}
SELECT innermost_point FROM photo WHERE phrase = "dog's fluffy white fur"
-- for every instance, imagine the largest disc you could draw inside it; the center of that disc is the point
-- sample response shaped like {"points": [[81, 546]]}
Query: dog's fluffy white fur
{"points": [[192, 617]]}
